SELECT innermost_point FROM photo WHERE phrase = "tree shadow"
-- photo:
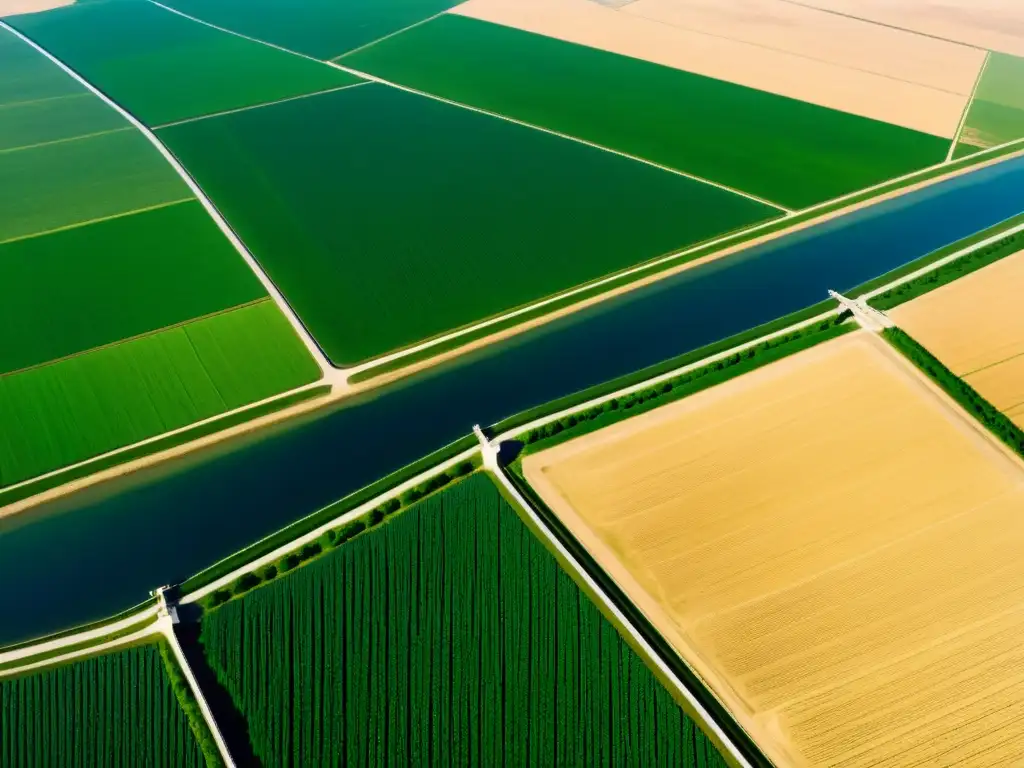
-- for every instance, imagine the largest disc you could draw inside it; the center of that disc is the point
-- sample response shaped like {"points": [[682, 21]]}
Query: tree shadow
{"points": [[232, 723]]}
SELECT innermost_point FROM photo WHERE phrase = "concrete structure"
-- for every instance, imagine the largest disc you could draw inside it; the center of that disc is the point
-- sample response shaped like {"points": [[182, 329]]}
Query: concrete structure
{"points": [[867, 317]]}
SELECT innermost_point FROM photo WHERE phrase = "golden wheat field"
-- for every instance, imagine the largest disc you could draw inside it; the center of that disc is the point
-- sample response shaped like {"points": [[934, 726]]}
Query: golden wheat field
{"points": [[830, 545], [975, 327]]}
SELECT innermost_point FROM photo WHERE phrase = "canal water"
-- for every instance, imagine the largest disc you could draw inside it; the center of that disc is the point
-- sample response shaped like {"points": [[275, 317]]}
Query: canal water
{"points": [[100, 551]]}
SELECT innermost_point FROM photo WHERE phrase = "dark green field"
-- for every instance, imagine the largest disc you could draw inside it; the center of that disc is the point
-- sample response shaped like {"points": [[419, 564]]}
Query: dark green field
{"points": [[996, 114], [786, 151], [113, 280], [117, 711], [448, 636], [387, 218], [322, 29], [162, 67], [72, 410], [73, 182]]}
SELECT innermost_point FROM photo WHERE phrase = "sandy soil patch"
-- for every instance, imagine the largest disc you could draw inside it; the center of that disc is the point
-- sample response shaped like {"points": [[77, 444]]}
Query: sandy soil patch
{"points": [[976, 328], [997, 25], [830, 545], [870, 72], [14, 7]]}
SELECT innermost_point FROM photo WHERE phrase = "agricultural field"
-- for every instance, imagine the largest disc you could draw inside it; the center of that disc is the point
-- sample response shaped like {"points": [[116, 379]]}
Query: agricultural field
{"points": [[117, 710], [833, 548], [124, 310], [974, 326], [164, 67], [364, 222], [789, 152], [996, 115], [448, 634], [992, 24], [323, 29], [85, 405]]}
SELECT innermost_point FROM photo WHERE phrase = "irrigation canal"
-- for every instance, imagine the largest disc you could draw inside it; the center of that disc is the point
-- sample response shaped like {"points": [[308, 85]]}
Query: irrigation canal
{"points": [[100, 551]]}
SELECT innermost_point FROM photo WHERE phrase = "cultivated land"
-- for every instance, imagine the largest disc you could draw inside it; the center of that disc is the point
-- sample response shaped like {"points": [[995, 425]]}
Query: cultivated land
{"points": [[319, 28], [68, 411], [858, 603], [386, 201], [996, 115], [994, 24], [837, 62], [114, 280], [791, 153], [212, 71], [113, 710], [974, 326], [465, 643]]}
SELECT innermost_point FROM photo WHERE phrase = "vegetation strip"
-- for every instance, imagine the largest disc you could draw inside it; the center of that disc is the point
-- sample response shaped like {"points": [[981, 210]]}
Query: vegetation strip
{"points": [[469, 642], [32, 488], [947, 273], [958, 389], [190, 706], [53, 653], [81, 629], [324, 516]]}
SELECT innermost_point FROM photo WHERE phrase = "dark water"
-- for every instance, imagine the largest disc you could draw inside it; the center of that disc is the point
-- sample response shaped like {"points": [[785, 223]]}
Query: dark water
{"points": [[100, 551]]}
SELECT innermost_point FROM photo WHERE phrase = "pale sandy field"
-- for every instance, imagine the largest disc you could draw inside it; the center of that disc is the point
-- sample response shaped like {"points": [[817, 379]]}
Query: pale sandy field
{"points": [[852, 66], [13, 7], [975, 326], [993, 24], [831, 546]]}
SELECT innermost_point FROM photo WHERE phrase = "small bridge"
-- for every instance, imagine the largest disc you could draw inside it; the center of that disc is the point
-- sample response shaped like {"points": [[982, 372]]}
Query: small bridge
{"points": [[867, 317]]}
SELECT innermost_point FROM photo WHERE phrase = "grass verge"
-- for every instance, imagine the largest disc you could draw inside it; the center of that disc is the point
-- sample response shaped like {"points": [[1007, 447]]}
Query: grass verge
{"points": [[171, 441], [189, 705], [52, 654], [322, 516], [954, 270], [82, 628], [958, 389]]}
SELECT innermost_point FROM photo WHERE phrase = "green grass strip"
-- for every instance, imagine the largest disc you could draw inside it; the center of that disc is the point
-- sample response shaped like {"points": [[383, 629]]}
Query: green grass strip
{"points": [[46, 655], [163, 444], [947, 273], [322, 516], [958, 389], [684, 385], [187, 700], [653, 371], [82, 628], [335, 537]]}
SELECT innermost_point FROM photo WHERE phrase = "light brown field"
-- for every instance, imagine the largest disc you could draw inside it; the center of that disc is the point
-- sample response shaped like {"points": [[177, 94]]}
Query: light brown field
{"points": [[13, 7], [993, 24], [830, 545], [845, 64], [975, 326]]}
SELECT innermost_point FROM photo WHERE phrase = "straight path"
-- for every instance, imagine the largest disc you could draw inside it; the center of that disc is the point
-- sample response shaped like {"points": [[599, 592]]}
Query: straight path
{"points": [[307, 339], [92, 650]]}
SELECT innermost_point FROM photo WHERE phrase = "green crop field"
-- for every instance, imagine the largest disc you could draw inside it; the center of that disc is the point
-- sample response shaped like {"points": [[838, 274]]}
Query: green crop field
{"points": [[162, 67], [116, 710], [366, 205], [56, 119], [115, 279], [26, 75], [996, 114], [448, 635], [73, 182], [319, 28], [783, 150], [69, 411]]}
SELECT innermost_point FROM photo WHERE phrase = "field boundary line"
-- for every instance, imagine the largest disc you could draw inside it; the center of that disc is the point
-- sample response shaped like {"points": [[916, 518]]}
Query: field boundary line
{"points": [[566, 136], [967, 107], [26, 102], [136, 337], [68, 140], [382, 81], [388, 36], [307, 339], [345, 517], [80, 637], [665, 672], [24, 503], [213, 115], [990, 365], [100, 220]]}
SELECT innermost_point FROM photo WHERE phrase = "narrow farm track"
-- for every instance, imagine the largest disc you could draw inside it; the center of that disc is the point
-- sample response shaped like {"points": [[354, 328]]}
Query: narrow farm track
{"points": [[279, 299]]}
